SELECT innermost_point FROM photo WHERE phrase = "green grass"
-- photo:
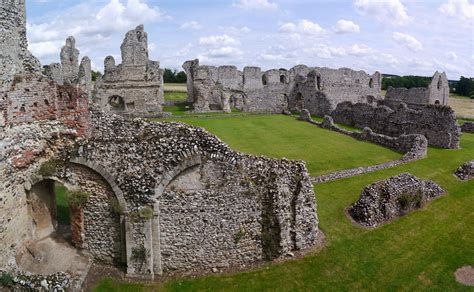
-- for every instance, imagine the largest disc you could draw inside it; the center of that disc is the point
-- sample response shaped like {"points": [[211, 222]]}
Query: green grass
{"points": [[176, 96], [282, 136], [62, 204], [420, 251]]}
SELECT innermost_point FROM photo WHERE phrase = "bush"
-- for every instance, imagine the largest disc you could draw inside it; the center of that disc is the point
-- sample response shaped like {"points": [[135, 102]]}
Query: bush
{"points": [[6, 280], [409, 201], [49, 168], [77, 198]]}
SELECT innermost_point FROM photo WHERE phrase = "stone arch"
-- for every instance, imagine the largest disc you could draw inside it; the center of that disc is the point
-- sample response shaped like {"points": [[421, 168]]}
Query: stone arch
{"points": [[117, 103], [186, 164], [299, 101], [42, 208], [107, 177]]}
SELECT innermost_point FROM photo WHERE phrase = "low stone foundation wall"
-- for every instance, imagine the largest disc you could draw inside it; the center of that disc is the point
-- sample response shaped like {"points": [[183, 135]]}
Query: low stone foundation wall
{"points": [[468, 127], [466, 171], [413, 146]]}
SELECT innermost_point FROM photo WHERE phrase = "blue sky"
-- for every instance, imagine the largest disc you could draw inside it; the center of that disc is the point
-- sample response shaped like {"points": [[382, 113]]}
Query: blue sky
{"points": [[391, 36]]}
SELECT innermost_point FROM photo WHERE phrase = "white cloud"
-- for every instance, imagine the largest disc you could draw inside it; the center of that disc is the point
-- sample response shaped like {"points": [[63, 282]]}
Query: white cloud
{"points": [[327, 52], [462, 9], [408, 41], [255, 5], [360, 50], [191, 25], [387, 11], [346, 26], [224, 52], [218, 40], [302, 27], [452, 56], [46, 49]]}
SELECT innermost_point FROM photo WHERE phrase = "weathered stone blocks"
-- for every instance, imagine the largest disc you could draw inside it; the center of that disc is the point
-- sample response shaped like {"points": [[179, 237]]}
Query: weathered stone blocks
{"points": [[466, 171], [392, 198]]}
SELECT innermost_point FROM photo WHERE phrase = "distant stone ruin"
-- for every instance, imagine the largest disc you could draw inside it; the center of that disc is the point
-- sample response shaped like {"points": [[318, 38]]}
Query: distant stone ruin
{"points": [[437, 123], [317, 89], [70, 72], [468, 127], [436, 93], [392, 198], [135, 87]]}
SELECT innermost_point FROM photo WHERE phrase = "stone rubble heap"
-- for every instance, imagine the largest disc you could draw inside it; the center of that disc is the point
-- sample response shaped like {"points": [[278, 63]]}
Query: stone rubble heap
{"points": [[468, 127], [392, 198], [25, 281], [466, 171]]}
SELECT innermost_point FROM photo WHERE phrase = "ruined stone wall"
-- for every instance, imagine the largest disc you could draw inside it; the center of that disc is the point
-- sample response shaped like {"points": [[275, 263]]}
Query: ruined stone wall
{"points": [[468, 127], [317, 89], [33, 98], [437, 92], [216, 184], [14, 55], [70, 72], [322, 89], [437, 123], [135, 87], [102, 229]]}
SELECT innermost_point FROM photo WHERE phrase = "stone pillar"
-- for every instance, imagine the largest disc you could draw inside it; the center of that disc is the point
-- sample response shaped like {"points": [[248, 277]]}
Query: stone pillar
{"points": [[85, 76], [70, 61]]}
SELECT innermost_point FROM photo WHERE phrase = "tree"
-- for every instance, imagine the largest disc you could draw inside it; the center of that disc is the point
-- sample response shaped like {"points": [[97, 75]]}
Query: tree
{"points": [[173, 76], [465, 86]]}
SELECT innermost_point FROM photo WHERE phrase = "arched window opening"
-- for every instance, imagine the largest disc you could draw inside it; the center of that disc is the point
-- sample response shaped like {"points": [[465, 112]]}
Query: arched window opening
{"points": [[371, 83], [282, 79], [264, 79], [318, 82], [437, 102], [117, 103], [440, 83]]}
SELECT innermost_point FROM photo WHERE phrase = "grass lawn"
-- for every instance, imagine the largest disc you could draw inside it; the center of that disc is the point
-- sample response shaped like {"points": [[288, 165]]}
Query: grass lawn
{"points": [[282, 136], [417, 252], [62, 204], [176, 96]]}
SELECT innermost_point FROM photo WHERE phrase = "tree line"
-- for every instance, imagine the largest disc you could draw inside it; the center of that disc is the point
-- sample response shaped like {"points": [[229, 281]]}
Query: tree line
{"points": [[465, 86], [173, 76], [405, 81]]}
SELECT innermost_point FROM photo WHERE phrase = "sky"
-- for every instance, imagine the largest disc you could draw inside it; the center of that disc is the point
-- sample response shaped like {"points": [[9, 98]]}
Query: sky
{"points": [[390, 36]]}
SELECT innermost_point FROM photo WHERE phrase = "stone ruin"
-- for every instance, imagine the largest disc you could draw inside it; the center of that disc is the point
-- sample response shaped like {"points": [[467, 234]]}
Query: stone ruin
{"points": [[468, 127], [437, 93], [317, 89], [466, 171], [69, 71], [437, 123], [135, 87], [155, 197], [392, 198]]}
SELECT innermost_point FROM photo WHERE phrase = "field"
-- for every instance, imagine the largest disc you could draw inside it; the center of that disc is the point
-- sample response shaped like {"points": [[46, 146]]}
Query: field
{"points": [[463, 106], [175, 87], [418, 251]]}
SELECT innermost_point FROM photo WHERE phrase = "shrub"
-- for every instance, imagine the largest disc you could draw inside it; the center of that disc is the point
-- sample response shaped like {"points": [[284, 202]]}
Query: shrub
{"points": [[239, 235], [77, 198], [6, 279], [115, 205], [408, 201], [49, 168]]}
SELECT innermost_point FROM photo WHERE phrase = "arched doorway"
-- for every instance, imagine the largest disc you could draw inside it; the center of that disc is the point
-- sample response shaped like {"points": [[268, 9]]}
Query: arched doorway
{"points": [[299, 102], [49, 210]]}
